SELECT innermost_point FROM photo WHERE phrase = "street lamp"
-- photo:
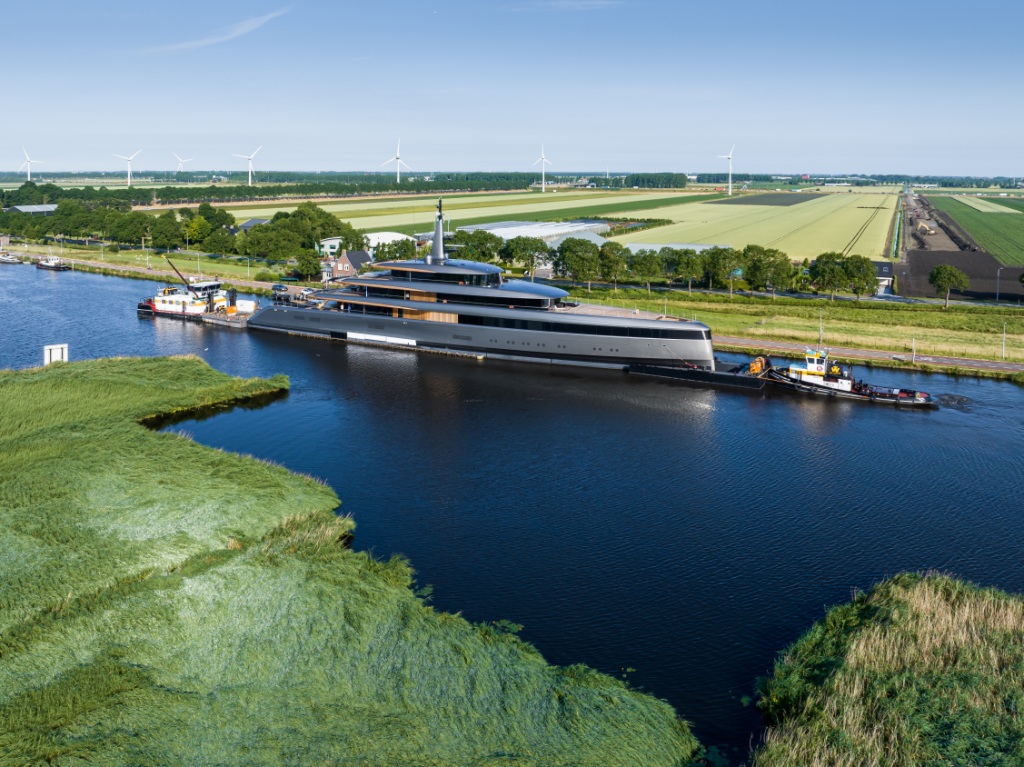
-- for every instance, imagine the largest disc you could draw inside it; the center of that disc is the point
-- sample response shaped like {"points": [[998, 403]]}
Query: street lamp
{"points": [[246, 267], [997, 282]]}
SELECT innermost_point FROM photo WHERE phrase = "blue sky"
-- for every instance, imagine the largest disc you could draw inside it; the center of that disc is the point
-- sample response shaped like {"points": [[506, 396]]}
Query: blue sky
{"points": [[630, 85]]}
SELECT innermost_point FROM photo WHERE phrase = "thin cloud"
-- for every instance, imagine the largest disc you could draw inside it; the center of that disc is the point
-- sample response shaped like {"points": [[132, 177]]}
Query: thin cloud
{"points": [[577, 5], [235, 30]]}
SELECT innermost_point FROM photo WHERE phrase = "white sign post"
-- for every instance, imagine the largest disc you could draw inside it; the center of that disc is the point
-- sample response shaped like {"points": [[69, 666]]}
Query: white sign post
{"points": [[55, 353]]}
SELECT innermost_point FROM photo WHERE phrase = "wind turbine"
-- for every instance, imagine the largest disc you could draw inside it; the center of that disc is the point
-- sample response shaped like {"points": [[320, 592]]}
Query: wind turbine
{"points": [[181, 163], [397, 160], [729, 158], [543, 161], [129, 161], [28, 163], [249, 158]]}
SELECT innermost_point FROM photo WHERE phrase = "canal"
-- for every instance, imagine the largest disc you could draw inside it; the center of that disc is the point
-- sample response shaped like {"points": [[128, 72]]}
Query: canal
{"points": [[678, 536]]}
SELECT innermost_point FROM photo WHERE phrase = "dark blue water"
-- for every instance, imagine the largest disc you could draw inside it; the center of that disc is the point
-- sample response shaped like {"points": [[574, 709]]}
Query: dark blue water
{"points": [[685, 533]]}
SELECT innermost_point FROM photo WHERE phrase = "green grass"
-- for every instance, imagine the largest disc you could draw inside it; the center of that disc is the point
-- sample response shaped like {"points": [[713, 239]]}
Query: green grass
{"points": [[999, 234], [166, 603], [975, 332], [1012, 203], [920, 670]]}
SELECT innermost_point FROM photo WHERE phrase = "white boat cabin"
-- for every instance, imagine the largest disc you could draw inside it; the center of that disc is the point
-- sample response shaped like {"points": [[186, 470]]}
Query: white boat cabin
{"points": [[819, 370]]}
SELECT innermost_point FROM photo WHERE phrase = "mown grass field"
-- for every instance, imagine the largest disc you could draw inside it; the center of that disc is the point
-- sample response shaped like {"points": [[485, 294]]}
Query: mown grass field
{"points": [[162, 603], [927, 328], [917, 671], [851, 223], [1000, 234]]}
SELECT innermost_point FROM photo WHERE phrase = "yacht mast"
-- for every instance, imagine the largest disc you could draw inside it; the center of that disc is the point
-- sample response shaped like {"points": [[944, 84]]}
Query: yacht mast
{"points": [[437, 250]]}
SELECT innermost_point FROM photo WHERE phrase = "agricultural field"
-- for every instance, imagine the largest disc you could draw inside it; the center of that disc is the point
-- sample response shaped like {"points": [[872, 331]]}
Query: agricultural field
{"points": [[851, 223], [1000, 234], [417, 214], [992, 190], [1015, 204], [985, 206]]}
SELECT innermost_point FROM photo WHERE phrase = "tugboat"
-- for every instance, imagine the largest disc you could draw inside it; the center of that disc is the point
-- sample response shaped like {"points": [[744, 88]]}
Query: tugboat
{"points": [[820, 375], [53, 263]]}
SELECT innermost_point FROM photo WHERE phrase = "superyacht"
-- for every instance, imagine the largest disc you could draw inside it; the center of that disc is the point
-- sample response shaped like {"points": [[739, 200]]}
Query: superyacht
{"points": [[447, 304]]}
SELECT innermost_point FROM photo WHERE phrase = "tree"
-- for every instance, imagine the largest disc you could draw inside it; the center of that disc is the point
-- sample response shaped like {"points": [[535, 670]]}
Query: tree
{"points": [[308, 264], [580, 258], [218, 217], [166, 231], [723, 265], [396, 250], [779, 271], [197, 230], [766, 268], [862, 275], [755, 257], [829, 272], [691, 267], [131, 227], [266, 241], [945, 278], [478, 245], [219, 241], [613, 258], [720, 264], [646, 266], [528, 251]]}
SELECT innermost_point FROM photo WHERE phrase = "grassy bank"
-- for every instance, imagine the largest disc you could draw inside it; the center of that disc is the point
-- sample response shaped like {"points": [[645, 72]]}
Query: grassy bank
{"points": [[917, 671], [960, 331], [166, 603]]}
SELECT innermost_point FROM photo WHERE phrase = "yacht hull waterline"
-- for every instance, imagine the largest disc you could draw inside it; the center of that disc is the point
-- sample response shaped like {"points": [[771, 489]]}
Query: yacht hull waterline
{"points": [[464, 307]]}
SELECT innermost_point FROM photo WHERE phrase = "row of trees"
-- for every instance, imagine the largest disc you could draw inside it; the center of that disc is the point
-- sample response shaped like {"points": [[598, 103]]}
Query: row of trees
{"points": [[286, 237], [337, 185], [759, 267]]}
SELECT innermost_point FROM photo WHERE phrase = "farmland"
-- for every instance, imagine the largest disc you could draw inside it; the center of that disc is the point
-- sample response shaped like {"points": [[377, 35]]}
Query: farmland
{"points": [[1000, 234], [851, 223], [985, 206], [416, 214]]}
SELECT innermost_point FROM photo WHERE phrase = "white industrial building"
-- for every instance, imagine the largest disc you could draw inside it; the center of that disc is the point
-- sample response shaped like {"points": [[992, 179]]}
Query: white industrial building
{"points": [[543, 230]]}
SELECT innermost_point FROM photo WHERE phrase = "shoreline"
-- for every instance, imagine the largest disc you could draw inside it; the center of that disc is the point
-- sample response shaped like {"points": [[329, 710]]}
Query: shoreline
{"points": [[165, 601], [968, 366]]}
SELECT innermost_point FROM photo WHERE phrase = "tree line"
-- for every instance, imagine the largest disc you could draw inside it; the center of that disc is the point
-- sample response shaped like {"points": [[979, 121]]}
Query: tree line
{"points": [[31, 193], [286, 237], [760, 268]]}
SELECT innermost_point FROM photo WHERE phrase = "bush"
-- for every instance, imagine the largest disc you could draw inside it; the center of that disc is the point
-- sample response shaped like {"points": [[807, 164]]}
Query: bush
{"points": [[266, 276]]}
